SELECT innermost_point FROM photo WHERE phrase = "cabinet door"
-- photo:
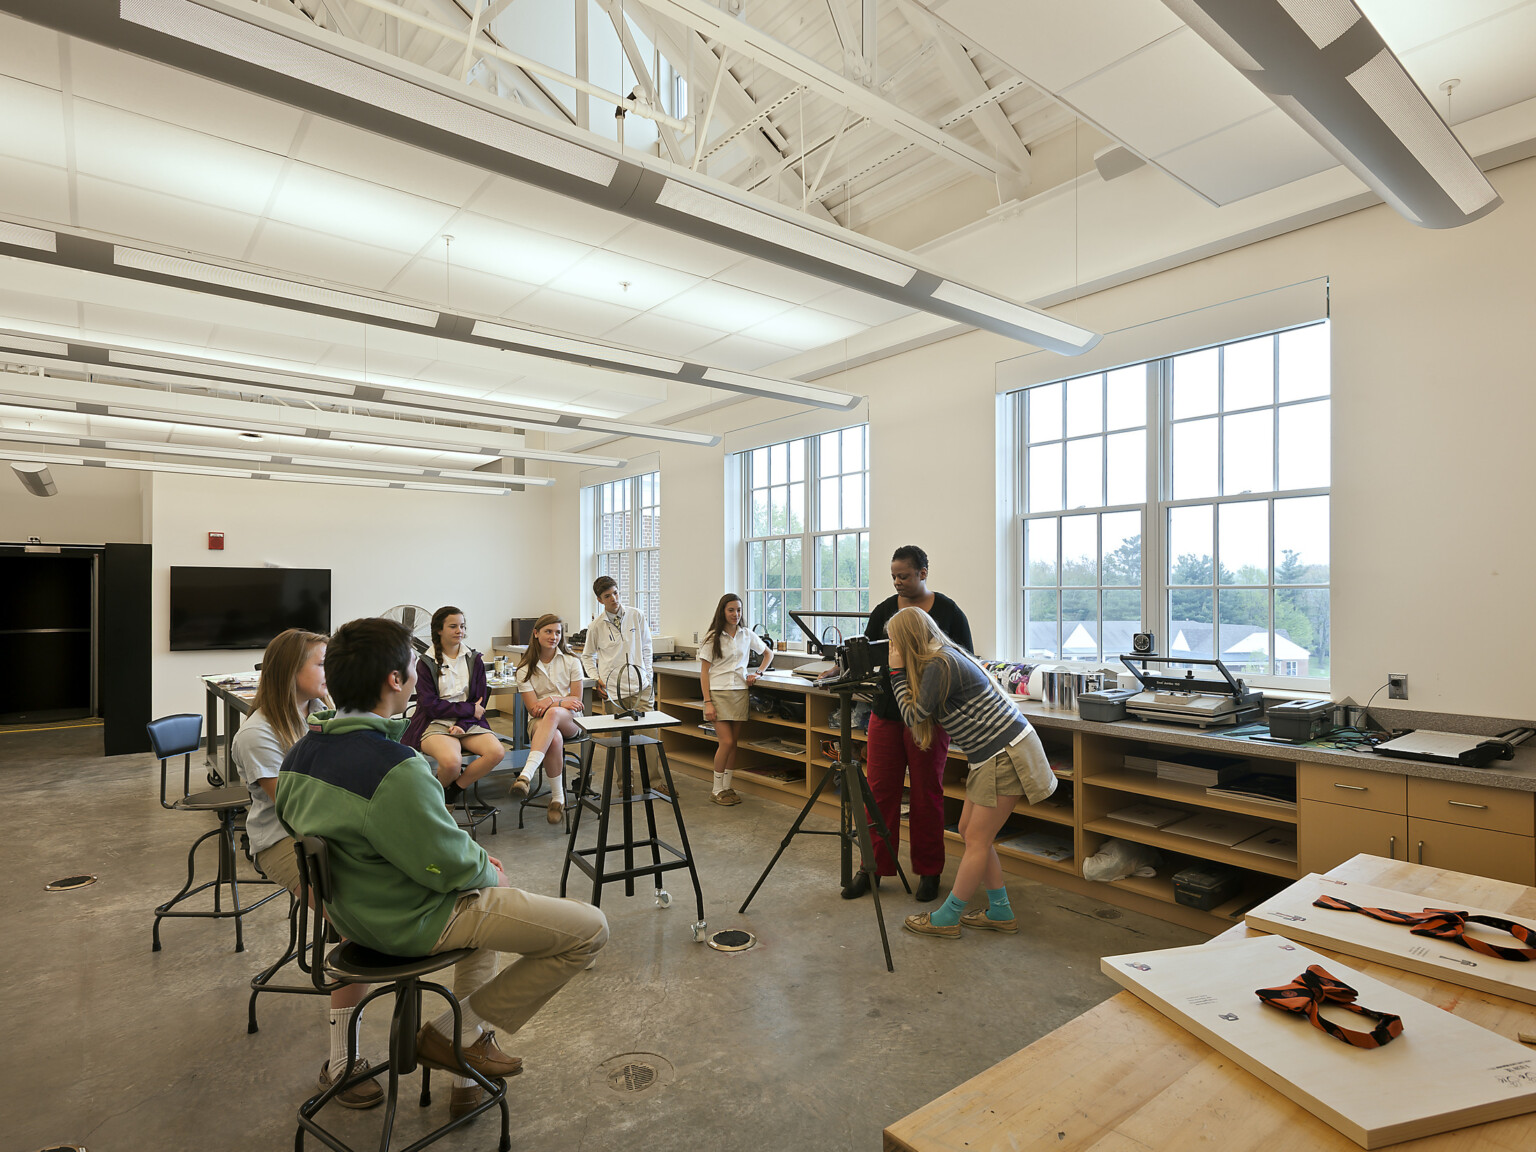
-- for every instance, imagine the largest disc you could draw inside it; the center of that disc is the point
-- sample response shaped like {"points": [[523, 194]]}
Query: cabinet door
{"points": [[1497, 855], [1329, 834]]}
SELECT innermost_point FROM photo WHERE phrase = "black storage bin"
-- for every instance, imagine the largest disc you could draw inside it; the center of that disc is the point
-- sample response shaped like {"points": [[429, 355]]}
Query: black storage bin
{"points": [[1204, 886]]}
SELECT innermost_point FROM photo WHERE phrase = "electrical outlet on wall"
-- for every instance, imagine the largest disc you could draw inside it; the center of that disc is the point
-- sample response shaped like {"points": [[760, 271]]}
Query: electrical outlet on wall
{"points": [[1397, 685]]}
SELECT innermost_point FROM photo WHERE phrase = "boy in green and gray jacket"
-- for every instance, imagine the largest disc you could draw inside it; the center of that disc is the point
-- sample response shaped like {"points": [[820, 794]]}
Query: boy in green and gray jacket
{"points": [[407, 879]]}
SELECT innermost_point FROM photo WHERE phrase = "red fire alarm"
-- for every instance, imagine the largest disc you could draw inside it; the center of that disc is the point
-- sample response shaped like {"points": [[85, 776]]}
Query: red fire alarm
{"points": [[215, 541]]}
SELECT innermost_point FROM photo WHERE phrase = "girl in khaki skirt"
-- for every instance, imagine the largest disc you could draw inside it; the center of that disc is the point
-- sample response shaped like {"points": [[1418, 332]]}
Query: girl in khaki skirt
{"points": [[725, 679]]}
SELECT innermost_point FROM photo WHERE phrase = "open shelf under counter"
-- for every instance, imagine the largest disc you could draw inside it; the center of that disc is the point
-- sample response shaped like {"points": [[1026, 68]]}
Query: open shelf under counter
{"points": [[795, 787], [793, 757], [1055, 813], [1189, 846], [1161, 888], [857, 733], [779, 721], [1068, 866], [696, 705], [1146, 784]]}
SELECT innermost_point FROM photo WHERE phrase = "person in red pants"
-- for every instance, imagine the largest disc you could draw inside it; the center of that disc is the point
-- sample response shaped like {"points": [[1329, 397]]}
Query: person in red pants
{"points": [[894, 755]]}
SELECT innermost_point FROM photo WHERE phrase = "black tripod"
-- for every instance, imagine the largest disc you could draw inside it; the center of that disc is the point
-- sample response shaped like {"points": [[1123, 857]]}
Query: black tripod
{"points": [[853, 825]]}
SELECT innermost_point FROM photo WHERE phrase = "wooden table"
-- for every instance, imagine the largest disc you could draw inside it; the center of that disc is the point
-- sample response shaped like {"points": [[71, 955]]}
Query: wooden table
{"points": [[1122, 1077]]}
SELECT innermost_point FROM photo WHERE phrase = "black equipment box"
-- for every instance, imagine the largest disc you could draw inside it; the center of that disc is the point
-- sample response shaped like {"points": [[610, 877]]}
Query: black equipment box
{"points": [[1299, 720], [1205, 886], [1105, 705]]}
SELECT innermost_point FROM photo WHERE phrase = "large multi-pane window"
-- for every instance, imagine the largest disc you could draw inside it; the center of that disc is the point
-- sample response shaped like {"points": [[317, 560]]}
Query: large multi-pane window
{"points": [[628, 537], [1188, 497], [807, 531]]}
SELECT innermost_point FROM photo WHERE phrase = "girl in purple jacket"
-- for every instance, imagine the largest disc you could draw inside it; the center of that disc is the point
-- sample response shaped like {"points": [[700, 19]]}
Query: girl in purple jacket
{"points": [[451, 695]]}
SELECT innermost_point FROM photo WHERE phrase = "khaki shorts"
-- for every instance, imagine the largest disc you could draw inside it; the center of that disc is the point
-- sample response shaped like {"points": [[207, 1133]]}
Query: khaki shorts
{"points": [[730, 703], [280, 865], [1022, 769], [441, 728]]}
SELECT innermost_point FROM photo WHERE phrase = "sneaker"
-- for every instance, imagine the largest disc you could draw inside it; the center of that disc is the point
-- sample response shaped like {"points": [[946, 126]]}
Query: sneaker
{"points": [[927, 889], [727, 797], [463, 1101], [433, 1048], [923, 926], [364, 1094], [519, 789], [556, 812], [979, 919]]}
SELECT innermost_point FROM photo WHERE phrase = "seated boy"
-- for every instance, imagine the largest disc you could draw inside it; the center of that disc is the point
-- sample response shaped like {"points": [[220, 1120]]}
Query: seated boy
{"points": [[408, 880]]}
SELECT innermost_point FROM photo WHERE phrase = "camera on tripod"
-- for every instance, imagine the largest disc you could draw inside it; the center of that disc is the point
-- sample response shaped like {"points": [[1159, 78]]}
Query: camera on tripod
{"points": [[857, 660]]}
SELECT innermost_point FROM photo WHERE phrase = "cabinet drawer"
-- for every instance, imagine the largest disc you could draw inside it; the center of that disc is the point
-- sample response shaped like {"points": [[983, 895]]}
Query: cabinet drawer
{"points": [[1331, 784], [1497, 855], [1497, 809], [1329, 834]]}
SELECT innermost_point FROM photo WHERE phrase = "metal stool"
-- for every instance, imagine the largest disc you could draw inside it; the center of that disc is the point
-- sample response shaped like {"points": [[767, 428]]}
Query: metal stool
{"points": [[180, 735], [400, 977], [262, 981], [572, 757], [474, 808]]}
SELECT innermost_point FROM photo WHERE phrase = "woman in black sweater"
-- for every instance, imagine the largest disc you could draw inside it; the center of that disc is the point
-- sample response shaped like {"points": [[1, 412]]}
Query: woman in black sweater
{"points": [[894, 754]]}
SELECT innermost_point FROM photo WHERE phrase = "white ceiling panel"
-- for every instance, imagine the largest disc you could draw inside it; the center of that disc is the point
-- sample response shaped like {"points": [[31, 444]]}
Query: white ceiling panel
{"points": [[523, 204], [659, 334], [34, 122], [1169, 94], [272, 345], [672, 249], [1406, 26], [721, 306], [615, 404], [29, 52], [622, 280], [804, 328], [360, 210], [136, 150], [159, 218], [140, 326], [744, 354], [503, 249], [355, 358], [29, 306], [428, 281], [861, 306], [342, 148], [37, 191], [462, 379], [1260, 153], [1493, 60], [1056, 44], [774, 280], [283, 247], [134, 84]]}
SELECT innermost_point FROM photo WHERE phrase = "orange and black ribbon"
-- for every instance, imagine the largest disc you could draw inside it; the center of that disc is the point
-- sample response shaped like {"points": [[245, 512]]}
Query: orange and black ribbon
{"points": [[1444, 924], [1306, 994]]}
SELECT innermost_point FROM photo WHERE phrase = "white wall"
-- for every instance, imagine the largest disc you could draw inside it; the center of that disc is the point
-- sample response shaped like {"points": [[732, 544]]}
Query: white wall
{"points": [[383, 547], [92, 506], [1434, 478]]}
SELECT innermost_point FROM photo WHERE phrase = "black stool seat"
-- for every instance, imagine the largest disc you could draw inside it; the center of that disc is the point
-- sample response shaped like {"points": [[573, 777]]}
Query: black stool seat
{"points": [[218, 800], [364, 965]]}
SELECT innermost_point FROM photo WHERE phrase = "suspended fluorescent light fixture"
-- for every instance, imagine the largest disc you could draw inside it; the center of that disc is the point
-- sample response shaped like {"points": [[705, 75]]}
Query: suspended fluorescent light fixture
{"points": [[35, 478], [24, 237], [1327, 68], [279, 58]]}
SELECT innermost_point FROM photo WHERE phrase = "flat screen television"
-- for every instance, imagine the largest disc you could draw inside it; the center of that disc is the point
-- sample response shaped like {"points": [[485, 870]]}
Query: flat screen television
{"points": [[221, 608]]}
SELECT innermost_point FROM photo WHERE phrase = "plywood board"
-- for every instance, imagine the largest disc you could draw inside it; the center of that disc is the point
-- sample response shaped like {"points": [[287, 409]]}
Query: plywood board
{"points": [[1441, 1074], [1290, 913]]}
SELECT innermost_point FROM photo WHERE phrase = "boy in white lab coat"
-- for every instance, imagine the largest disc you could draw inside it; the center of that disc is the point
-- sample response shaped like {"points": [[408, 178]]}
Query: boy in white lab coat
{"points": [[619, 636]]}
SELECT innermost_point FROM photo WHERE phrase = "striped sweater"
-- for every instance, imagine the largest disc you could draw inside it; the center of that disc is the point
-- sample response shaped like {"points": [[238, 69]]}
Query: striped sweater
{"points": [[980, 719]]}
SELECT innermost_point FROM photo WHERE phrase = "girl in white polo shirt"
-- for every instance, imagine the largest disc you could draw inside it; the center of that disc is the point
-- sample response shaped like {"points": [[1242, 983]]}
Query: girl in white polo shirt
{"points": [[725, 679], [549, 679]]}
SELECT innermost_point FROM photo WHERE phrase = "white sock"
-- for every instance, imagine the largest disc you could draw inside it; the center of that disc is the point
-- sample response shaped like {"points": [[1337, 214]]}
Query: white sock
{"points": [[721, 782], [532, 765], [556, 786], [464, 1082], [444, 1023], [341, 1022]]}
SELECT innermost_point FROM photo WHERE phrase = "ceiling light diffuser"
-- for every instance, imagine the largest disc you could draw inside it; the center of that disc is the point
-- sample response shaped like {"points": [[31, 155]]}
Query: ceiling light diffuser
{"points": [[24, 237], [1327, 68]]}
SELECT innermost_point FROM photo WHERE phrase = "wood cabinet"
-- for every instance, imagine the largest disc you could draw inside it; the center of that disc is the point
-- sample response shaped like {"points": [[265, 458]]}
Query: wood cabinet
{"points": [[1458, 848], [1329, 834]]}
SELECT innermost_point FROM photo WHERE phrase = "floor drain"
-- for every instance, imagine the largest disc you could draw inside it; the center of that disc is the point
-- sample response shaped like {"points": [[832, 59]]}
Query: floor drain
{"points": [[732, 940], [1108, 914], [65, 885], [633, 1074]]}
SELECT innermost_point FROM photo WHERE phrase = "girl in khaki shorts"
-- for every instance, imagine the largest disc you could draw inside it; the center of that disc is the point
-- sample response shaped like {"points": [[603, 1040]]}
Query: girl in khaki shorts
{"points": [[724, 679]]}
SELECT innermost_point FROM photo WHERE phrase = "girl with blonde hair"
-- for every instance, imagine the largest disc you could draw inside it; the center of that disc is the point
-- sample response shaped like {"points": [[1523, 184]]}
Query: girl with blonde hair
{"points": [[937, 682], [549, 679]]}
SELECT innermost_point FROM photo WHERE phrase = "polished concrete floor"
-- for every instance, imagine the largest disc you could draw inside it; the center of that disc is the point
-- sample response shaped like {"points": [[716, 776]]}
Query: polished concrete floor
{"points": [[803, 1042]]}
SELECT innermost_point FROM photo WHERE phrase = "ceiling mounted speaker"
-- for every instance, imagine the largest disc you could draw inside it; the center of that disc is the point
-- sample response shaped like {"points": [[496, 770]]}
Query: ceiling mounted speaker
{"points": [[1327, 68], [36, 479], [1115, 161]]}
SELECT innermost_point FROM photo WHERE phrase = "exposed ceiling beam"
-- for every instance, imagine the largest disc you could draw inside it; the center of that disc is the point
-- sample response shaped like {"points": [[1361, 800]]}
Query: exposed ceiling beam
{"points": [[642, 77]]}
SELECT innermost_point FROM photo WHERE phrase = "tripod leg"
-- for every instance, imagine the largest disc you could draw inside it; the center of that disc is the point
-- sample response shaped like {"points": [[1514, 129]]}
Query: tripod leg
{"points": [[867, 852], [868, 794], [788, 836]]}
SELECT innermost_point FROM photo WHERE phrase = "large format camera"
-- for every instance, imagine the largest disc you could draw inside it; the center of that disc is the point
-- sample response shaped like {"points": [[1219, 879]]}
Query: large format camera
{"points": [[858, 659]]}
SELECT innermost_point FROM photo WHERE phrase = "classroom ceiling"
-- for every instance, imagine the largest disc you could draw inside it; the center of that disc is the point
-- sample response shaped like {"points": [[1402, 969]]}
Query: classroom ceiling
{"points": [[104, 145]]}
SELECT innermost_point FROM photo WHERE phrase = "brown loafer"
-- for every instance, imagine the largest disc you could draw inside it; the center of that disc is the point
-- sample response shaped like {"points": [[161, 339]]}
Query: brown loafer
{"points": [[556, 812], [463, 1101], [433, 1048], [364, 1094], [980, 919], [519, 789], [726, 797], [923, 926]]}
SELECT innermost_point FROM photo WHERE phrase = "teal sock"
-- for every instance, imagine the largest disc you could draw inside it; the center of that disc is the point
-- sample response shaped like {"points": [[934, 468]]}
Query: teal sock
{"points": [[948, 913], [998, 907]]}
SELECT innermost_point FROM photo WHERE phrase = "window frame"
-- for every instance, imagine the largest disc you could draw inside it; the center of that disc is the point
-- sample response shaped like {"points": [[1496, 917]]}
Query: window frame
{"points": [[639, 555], [1156, 585]]}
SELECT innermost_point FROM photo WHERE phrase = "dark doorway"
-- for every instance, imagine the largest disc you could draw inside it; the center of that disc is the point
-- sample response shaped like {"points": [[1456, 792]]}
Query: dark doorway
{"points": [[47, 617]]}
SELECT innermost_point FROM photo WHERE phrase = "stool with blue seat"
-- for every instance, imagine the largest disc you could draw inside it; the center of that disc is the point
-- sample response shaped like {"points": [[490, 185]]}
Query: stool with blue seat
{"points": [[399, 976], [181, 735]]}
